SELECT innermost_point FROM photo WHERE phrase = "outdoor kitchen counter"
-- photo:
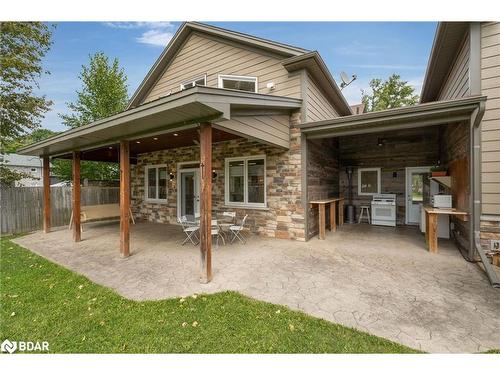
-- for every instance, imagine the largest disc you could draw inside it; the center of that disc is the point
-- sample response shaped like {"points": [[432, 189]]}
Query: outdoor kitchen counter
{"points": [[333, 202], [431, 215]]}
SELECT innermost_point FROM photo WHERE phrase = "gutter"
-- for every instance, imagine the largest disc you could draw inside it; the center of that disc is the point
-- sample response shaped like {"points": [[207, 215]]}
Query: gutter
{"points": [[475, 195]]}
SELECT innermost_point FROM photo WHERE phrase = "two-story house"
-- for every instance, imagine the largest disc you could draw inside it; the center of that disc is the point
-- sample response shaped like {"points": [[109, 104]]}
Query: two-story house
{"points": [[227, 121]]}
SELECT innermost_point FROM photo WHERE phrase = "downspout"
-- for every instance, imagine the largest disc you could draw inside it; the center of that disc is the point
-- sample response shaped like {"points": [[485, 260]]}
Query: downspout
{"points": [[475, 195]]}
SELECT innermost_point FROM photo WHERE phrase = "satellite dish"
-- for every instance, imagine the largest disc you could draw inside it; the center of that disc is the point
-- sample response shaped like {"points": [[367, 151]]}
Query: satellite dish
{"points": [[346, 81]]}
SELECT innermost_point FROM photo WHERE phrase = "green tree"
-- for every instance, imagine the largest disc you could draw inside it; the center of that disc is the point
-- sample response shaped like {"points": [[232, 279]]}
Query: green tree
{"points": [[103, 93], [35, 136], [392, 93], [23, 45]]}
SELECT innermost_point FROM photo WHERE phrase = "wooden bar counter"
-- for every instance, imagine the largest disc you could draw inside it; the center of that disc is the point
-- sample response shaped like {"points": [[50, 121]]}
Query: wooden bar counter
{"points": [[431, 216], [333, 203]]}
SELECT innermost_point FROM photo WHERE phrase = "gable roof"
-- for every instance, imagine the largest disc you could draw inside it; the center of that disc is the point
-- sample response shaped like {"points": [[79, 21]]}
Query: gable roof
{"points": [[180, 37], [447, 40]]}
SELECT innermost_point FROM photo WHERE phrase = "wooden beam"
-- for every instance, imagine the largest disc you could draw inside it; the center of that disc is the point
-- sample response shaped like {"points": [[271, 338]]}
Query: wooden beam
{"points": [[46, 194], [77, 229], [206, 202], [125, 198]]}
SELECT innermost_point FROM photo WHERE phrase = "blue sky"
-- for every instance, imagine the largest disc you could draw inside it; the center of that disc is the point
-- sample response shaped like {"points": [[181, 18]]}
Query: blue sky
{"points": [[367, 49]]}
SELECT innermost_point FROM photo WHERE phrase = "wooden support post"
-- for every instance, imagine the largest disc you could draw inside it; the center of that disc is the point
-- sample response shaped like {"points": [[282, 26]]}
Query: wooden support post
{"points": [[125, 198], [322, 221], [431, 232], [333, 214], [46, 194], [77, 229], [206, 202]]}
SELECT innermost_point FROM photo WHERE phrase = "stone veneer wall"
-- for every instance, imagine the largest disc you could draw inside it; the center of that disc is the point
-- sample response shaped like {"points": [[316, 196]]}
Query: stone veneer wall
{"points": [[284, 217], [322, 175]]}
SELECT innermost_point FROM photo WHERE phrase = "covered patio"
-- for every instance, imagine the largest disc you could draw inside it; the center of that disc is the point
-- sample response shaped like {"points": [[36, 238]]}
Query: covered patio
{"points": [[197, 117], [384, 282]]}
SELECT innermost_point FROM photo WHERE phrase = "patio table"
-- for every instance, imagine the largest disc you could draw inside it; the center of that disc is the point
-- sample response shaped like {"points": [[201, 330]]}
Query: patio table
{"points": [[431, 233], [333, 202]]}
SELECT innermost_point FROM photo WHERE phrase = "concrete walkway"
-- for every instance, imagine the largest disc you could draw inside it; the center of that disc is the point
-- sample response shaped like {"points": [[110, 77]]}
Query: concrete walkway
{"points": [[379, 280]]}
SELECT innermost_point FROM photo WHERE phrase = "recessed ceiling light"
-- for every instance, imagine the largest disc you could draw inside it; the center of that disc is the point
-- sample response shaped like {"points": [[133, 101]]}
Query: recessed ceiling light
{"points": [[137, 141], [155, 138], [175, 134], [110, 147]]}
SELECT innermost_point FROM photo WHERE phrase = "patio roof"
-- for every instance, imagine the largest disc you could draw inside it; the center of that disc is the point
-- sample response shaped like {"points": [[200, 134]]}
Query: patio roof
{"points": [[435, 113], [176, 111]]}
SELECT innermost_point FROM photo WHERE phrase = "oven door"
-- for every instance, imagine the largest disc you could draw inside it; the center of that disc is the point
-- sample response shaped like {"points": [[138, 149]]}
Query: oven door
{"points": [[383, 214]]}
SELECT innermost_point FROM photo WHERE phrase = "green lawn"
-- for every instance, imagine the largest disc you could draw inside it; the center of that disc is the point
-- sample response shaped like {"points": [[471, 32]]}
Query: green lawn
{"points": [[43, 301]]}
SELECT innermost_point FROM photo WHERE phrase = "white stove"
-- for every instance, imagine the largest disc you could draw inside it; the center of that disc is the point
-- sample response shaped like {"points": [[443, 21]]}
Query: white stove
{"points": [[384, 209]]}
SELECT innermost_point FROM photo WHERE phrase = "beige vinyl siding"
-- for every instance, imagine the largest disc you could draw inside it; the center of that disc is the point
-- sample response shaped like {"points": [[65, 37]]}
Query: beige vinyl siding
{"points": [[202, 55], [457, 83], [317, 106], [490, 136], [274, 130]]}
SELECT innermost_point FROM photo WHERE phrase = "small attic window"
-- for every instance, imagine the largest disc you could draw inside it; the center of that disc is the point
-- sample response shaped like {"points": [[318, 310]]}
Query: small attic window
{"points": [[198, 81], [243, 83]]}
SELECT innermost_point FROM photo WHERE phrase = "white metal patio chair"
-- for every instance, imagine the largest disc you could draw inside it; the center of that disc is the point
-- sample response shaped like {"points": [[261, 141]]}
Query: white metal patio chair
{"points": [[228, 220], [190, 230], [216, 232], [236, 231]]}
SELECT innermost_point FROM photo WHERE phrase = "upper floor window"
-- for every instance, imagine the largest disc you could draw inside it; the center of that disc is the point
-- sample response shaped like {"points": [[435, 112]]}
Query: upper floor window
{"points": [[198, 81], [243, 83]]}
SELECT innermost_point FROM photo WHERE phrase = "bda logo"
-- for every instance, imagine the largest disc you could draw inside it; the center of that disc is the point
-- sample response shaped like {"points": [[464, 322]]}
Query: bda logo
{"points": [[8, 346]]}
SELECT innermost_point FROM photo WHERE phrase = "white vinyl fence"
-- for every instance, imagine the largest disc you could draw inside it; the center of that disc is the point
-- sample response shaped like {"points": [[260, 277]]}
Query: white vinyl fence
{"points": [[21, 208]]}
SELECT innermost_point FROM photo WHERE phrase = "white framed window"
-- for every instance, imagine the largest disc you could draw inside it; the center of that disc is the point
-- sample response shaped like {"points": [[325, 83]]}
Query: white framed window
{"points": [[368, 181], [156, 183], [198, 81], [245, 181], [243, 83]]}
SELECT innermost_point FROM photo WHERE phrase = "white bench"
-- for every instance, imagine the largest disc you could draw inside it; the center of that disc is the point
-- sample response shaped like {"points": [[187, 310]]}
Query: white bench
{"points": [[99, 212]]}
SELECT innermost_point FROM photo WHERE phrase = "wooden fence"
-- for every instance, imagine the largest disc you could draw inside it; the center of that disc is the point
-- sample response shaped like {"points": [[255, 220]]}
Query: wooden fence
{"points": [[21, 208]]}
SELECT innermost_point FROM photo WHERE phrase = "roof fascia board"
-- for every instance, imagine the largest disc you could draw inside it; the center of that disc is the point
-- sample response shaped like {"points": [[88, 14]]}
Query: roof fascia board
{"points": [[382, 128], [429, 90], [411, 110], [156, 66], [448, 111]]}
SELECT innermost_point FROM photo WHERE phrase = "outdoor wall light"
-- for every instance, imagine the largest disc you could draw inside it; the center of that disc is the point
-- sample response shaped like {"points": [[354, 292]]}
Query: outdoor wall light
{"points": [[214, 175], [171, 176]]}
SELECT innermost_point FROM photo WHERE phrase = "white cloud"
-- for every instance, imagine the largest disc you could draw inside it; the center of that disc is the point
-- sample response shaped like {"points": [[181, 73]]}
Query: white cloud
{"points": [[155, 33], [156, 37], [138, 25]]}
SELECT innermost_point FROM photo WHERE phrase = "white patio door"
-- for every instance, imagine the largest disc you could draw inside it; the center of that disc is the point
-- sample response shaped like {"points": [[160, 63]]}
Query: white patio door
{"points": [[416, 190], [188, 193]]}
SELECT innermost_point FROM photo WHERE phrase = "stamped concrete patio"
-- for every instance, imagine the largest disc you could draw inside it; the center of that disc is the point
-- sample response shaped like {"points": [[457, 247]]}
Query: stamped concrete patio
{"points": [[379, 280]]}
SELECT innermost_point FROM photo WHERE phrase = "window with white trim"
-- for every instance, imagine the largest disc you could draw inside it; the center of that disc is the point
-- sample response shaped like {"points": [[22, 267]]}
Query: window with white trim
{"points": [[243, 83], [245, 183], [198, 81], [156, 185], [368, 181]]}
